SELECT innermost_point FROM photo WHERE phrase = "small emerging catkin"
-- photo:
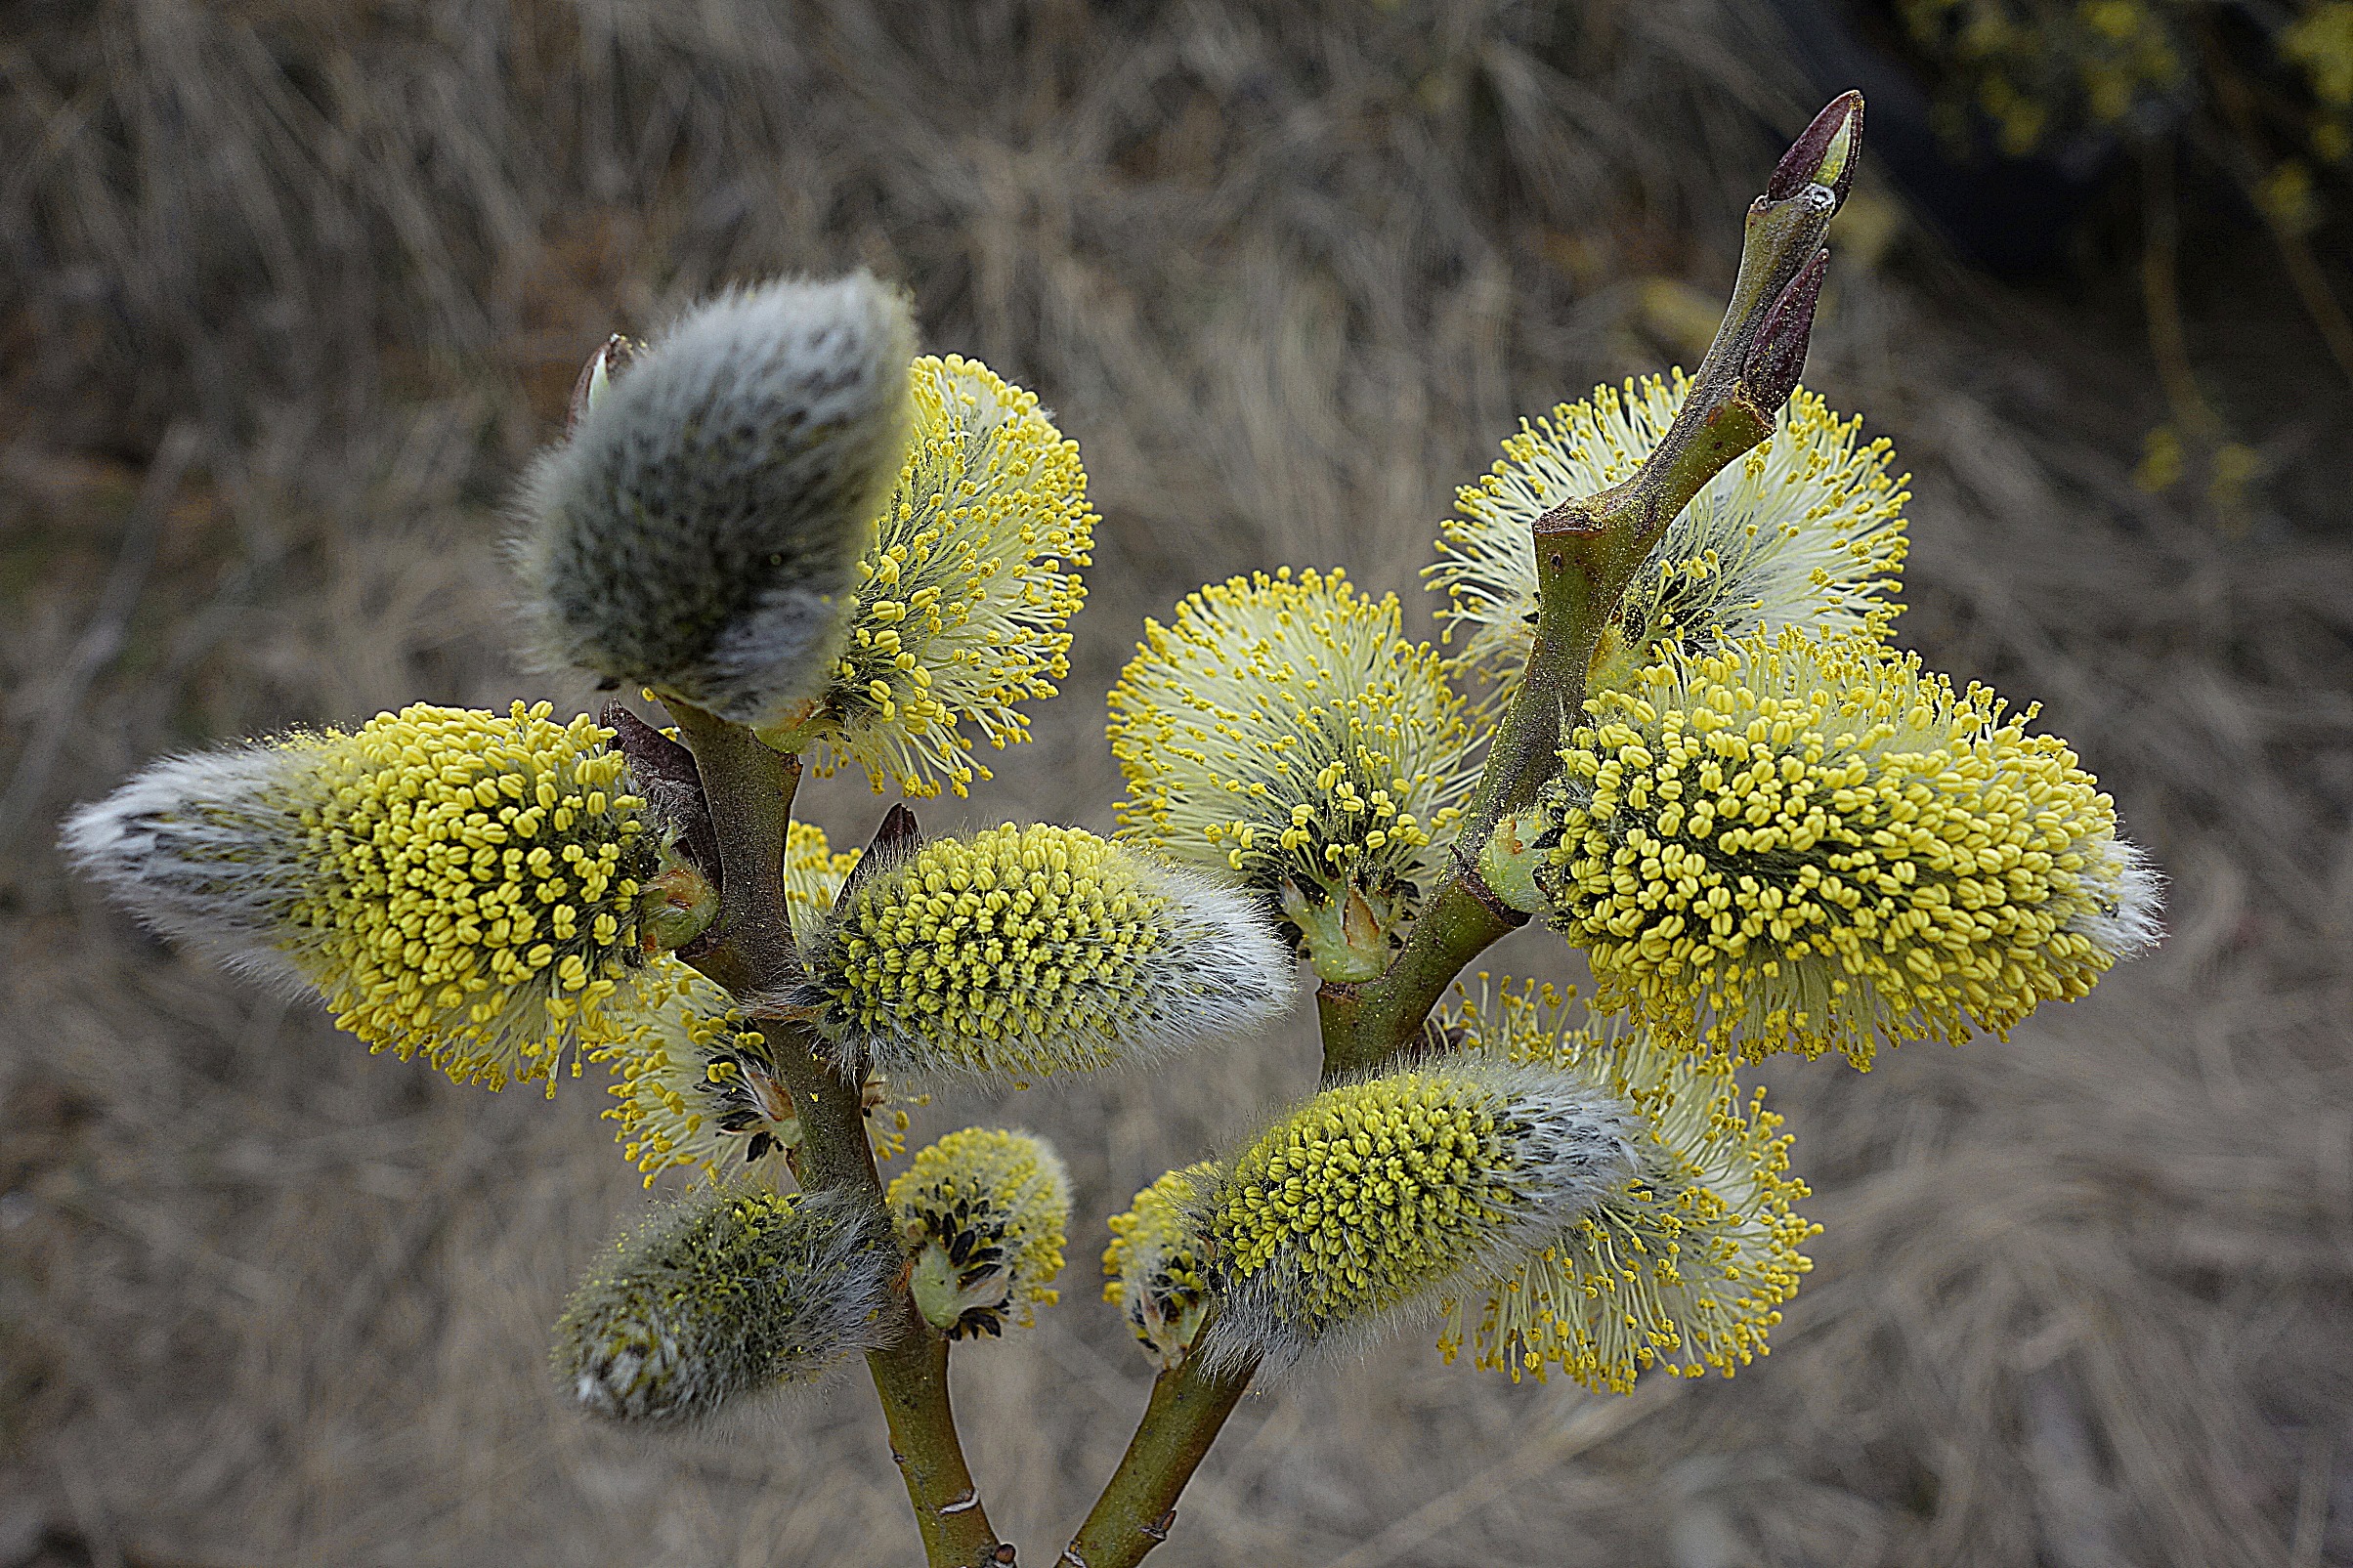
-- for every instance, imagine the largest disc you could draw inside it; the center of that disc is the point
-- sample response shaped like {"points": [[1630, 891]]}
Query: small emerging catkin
{"points": [[1381, 1199], [701, 1093], [724, 1293], [457, 882], [1686, 1264], [1022, 952], [1156, 1269], [1806, 531], [699, 531], [1808, 845], [982, 1216]]}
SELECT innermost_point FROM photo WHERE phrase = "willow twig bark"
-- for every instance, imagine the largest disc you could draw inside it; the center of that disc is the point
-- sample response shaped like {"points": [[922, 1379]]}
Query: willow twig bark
{"points": [[750, 790]]}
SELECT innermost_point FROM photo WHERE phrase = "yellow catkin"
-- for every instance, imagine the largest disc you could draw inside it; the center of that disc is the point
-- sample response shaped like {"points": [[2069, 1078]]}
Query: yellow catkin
{"points": [[1806, 845], [1037, 950], [982, 1215], [1282, 728], [1156, 1269], [700, 1092], [476, 882], [1685, 1265], [1370, 1190], [1807, 529], [964, 604], [1381, 1197]]}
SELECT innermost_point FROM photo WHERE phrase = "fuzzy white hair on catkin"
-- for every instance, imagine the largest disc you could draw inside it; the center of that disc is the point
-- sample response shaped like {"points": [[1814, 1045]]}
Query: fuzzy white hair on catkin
{"points": [[699, 530], [2130, 894], [1580, 1147], [647, 1306], [200, 846]]}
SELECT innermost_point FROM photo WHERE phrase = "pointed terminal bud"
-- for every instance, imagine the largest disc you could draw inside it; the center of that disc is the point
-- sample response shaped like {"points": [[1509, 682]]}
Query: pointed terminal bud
{"points": [[1824, 153], [597, 374], [1779, 356], [724, 1294], [982, 1215]]}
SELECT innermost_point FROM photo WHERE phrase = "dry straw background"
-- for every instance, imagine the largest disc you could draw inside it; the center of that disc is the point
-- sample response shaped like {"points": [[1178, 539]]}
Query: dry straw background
{"points": [[289, 293]]}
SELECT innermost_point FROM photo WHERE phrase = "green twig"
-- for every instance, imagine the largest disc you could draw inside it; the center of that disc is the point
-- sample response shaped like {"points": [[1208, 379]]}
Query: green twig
{"points": [[1588, 549], [1139, 1506], [750, 790]]}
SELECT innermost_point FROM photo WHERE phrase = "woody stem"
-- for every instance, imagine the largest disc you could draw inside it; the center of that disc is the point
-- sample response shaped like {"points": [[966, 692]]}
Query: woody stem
{"points": [[750, 790]]}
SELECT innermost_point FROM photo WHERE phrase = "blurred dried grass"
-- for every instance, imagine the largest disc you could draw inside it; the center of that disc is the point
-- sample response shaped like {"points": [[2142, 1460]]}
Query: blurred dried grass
{"points": [[290, 291]]}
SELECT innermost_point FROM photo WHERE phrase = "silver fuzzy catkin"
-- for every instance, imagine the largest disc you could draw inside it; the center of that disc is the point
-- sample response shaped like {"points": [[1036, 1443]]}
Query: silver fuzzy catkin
{"points": [[699, 532], [1366, 1207], [726, 1292]]}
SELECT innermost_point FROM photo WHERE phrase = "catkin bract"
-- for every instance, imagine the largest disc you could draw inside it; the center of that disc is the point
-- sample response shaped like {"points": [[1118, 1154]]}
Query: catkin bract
{"points": [[725, 1294], [1807, 530], [454, 882], [1809, 845], [699, 531], [1381, 1197], [963, 603], [1021, 951], [1282, 728], [982, 1215], [1687, 1262], [1156, 1270]]}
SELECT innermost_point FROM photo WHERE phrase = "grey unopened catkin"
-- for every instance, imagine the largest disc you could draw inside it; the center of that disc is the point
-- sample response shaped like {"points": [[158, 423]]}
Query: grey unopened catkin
{"points": [[699, 532]]}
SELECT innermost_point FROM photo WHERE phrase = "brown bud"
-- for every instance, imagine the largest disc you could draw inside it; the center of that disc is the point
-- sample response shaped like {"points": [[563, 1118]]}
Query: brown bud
{"points": [[1778, 355], [664, 774], [602, 366], [1824, 153], [897, 836]]}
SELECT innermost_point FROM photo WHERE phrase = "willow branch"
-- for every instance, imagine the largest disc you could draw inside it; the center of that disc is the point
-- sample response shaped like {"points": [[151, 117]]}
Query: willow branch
{"points": [[750, 952], [1589, 548], [1587, 551]]}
